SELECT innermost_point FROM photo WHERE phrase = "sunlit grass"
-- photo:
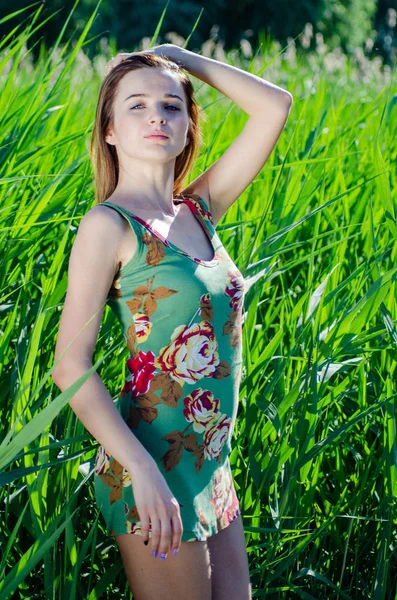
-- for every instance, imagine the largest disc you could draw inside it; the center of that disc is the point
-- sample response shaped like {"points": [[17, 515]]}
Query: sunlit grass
{"points": [[315, 457]]}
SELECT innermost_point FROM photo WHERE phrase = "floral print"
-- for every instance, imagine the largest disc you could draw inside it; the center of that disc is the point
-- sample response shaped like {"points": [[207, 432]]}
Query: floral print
{"points": [[196, 205], [141, 372], [215, 437], [112, 474], [182, 321], [115, 288], [192, 353], [201, 409], [235, 290], [224, 501], [224, 498]]}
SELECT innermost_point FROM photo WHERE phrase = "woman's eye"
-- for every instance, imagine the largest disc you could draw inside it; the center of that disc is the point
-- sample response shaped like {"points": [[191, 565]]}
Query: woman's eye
{"points": [[167, 106]]}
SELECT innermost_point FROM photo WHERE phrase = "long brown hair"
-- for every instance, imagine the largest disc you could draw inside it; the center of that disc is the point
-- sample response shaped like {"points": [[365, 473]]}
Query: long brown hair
{"points": [[104, 156]]}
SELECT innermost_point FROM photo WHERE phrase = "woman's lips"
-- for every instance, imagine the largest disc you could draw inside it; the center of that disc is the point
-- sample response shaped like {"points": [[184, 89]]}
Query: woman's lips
{"points": [[156, 137]]}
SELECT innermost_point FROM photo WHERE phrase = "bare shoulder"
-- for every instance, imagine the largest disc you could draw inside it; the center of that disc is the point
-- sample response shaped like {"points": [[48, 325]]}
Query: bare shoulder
{"points": [[96, 247], [107, 224], [93, 263], [101, 215]]}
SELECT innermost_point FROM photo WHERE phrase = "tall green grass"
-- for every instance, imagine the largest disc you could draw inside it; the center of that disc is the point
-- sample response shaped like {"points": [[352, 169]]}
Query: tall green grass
{"points": [[315, 457]]}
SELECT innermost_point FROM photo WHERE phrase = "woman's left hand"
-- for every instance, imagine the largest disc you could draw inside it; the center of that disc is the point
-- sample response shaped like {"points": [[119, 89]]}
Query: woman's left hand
{"points": [[162, 50]]}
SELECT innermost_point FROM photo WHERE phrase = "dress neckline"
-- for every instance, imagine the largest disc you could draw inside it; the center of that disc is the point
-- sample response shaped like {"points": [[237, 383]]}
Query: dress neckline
{"points": [[179, 199]]}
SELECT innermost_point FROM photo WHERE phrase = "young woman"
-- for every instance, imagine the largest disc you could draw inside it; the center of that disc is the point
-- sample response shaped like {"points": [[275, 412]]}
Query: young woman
{"points": [[150, 250]]}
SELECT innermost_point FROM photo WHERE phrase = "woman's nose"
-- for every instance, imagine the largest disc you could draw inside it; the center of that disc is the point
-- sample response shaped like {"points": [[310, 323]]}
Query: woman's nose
{"points": [[159, 118], [158, 115]]}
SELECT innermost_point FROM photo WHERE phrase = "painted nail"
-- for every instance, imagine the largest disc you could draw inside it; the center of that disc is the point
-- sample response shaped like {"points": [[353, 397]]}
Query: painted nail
{"points": [[175, 551], [154, 553], [162, 556], [146, 542]]}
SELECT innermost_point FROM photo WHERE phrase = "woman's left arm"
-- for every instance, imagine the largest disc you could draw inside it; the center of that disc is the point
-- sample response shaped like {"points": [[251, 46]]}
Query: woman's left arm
{"points": [[267, 106], [251, 93]]}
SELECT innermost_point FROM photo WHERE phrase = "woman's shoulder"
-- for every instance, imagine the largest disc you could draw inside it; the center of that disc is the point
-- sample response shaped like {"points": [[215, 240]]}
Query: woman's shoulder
{"points": [[102, 213], [100, 221]]}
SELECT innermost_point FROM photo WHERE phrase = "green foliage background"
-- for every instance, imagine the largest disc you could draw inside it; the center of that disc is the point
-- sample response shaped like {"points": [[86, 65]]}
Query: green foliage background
{"points": [[346, 24], [315, 445]]}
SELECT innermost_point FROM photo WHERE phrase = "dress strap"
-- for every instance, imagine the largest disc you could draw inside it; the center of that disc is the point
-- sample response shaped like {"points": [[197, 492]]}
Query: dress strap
{"points": [[132, 219], [197, 204]]}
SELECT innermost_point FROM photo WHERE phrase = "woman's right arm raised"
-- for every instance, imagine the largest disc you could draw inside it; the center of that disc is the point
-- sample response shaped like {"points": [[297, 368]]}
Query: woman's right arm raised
{"points": [[94, 261]]}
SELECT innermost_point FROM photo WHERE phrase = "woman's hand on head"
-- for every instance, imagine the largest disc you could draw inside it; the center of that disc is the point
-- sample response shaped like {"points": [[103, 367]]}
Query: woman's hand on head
{"points": [[158, 50], [113, 62]]}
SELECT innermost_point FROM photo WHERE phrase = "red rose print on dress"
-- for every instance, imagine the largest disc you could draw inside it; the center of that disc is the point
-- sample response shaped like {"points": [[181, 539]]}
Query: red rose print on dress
{"points": [[191, 356], [192, 353], [235, 289], [141, 368], [140, 384], [216, 436], [201, 408]]}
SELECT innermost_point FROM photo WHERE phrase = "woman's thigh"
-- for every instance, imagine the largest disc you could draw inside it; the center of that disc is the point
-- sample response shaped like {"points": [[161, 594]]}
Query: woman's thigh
{"points": [[186, 575], [229, 563]]}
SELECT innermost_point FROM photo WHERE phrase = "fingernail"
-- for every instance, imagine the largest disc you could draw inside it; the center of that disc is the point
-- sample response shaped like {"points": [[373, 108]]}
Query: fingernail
{"points": [[175, 551], [154, 553], [162, 556], [146, 542]]}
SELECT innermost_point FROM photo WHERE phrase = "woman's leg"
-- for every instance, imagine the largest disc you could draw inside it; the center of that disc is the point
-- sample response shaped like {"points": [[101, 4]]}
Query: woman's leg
{"points": [[186, 576], [229, 563]]}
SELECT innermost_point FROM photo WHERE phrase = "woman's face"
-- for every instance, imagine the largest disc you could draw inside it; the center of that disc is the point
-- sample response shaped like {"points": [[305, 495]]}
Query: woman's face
{"points": [[137, 117]]}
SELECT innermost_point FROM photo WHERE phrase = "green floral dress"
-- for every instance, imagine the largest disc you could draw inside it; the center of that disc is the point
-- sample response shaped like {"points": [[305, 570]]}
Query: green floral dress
{"points": [[181, 318]]}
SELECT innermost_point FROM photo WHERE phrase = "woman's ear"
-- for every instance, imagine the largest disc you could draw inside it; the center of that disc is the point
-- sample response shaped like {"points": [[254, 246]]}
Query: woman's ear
{"points": [[109, 138]]}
